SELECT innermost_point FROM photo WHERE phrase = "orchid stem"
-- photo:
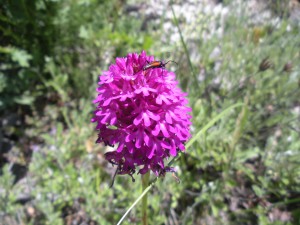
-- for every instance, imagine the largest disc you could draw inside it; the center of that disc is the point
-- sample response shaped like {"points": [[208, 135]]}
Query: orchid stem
{"points": [[145, 183]]}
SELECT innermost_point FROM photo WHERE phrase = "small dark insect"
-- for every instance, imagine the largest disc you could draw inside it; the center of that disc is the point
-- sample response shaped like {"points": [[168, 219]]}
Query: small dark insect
{"points": [[157, 64]]}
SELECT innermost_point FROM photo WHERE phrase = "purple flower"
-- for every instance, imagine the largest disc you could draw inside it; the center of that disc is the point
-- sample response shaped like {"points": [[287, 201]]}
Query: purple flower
{"points": [[143, 112]]}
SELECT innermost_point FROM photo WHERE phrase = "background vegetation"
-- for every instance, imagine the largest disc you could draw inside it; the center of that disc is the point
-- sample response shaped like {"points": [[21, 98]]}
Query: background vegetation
{"points": [[244, 170]]}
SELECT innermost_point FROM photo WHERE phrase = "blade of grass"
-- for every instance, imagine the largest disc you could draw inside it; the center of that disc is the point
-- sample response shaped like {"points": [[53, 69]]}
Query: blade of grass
{"points": [[184, 46], [136, 201]]}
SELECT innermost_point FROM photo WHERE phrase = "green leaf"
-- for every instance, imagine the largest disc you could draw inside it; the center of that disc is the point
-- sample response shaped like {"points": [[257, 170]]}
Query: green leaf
{"points": [[21, 57], [24, 100], [215, 210], [258, 191], [242, 156], [83, 33]]}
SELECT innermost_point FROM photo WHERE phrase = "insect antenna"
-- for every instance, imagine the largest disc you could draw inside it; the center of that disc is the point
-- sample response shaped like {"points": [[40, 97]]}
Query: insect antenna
{"points": [[170, 61]]}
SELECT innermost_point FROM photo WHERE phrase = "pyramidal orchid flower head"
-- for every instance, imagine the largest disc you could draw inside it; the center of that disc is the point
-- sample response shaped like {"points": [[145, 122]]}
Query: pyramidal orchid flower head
{"points": [[143, 113]]}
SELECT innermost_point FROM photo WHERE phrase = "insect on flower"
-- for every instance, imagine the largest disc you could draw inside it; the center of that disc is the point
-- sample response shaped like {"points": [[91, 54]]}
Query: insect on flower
{"points": [[157, 64]]}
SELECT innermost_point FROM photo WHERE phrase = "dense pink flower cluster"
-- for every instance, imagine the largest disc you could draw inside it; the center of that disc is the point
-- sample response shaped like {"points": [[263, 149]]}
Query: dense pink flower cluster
{"points": [[143, 112]]}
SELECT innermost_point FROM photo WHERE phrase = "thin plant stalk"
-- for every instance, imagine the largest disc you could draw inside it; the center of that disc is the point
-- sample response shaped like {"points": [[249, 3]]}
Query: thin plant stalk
{"points": [[145, 183]]}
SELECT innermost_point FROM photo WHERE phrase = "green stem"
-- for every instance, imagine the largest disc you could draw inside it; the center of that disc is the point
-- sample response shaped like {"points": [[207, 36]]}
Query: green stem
{"points": [[145, 183]]}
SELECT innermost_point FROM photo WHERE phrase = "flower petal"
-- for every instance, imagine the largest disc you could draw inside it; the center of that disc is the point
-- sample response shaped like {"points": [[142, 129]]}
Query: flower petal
{"points": [[164, 130], [156, 130], [146, 118]]}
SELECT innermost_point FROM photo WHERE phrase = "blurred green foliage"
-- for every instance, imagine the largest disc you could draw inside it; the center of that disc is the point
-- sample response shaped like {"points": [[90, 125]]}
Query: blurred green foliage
{"points": [[244, 170], [53, 45]]}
